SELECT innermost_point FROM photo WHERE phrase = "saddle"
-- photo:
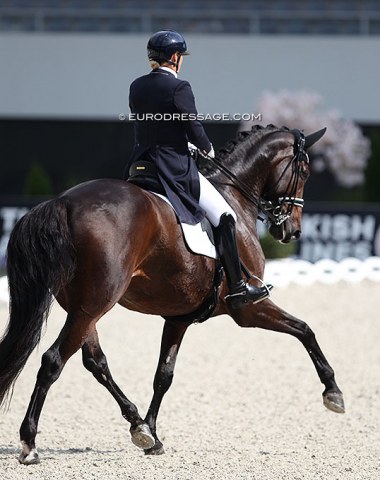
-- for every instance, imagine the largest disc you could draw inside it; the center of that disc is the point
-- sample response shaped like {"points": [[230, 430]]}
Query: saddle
{"points": [[144, 174]]}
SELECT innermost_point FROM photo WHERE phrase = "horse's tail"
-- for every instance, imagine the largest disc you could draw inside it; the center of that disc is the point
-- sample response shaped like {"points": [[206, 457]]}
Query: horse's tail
{"points": [[41, 260]]}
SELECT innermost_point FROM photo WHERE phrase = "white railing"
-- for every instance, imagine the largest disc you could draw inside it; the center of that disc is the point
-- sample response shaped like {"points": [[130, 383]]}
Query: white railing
{"points": [[281, 273]]}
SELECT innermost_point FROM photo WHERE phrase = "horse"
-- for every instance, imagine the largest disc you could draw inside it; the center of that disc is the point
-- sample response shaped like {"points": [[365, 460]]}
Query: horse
{"points": [[108, 241]]}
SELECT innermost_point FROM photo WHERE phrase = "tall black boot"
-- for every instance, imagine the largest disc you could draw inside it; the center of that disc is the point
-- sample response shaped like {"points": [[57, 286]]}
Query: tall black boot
{"points": [[239, 291]]}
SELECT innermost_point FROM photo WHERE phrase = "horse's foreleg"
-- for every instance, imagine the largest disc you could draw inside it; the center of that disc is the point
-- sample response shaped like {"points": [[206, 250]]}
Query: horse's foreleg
{"points": [[95, 361], [268, 316], [52, 363], [171, 341]]}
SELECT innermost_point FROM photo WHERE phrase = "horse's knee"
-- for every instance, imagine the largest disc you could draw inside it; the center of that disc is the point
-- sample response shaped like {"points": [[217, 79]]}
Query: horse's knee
{"points": [[51, 367]]}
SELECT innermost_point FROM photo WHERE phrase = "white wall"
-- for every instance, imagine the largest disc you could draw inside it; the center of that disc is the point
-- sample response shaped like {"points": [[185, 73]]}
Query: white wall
{"points": [[81, 75]]}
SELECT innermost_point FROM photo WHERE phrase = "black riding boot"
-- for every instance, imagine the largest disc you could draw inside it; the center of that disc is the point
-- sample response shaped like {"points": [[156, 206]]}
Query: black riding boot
{"points": [[239, 291]]}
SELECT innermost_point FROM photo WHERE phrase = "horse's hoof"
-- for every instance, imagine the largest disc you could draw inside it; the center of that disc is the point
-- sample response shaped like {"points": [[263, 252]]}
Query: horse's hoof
{"points": [[334, 402], [31, 458], [158, 449], [142, 436]]}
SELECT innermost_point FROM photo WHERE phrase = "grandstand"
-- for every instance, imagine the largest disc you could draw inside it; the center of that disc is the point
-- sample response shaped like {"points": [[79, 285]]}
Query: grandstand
{"points": [[260, 17]]}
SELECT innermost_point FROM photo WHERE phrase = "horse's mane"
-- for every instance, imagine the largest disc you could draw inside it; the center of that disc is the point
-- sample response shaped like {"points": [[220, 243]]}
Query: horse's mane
{"points": [[244, 139]]}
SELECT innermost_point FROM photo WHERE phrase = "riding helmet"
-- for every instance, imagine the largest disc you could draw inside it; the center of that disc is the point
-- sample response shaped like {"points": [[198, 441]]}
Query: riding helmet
{"points": [[164, 43]]}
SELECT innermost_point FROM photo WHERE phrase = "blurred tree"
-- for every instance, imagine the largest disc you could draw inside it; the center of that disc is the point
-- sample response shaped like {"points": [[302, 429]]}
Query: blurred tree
{"points": [[372, 175], [274, 249], [343, 150], [38, 181]]}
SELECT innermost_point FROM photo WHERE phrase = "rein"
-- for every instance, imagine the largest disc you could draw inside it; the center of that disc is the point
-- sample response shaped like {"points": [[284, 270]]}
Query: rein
{"points": [[273, 209]]}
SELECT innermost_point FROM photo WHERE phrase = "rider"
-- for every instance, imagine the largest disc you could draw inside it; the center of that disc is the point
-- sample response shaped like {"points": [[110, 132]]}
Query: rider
{"points": [[163, 141]]}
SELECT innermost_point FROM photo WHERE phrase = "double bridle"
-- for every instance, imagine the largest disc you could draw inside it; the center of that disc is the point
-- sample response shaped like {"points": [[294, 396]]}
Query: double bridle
{"points": [[274, 209]]}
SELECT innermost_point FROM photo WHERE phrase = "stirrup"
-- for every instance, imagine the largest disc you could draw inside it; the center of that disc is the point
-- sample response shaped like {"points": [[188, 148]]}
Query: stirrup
{"points": [[238, 299]]}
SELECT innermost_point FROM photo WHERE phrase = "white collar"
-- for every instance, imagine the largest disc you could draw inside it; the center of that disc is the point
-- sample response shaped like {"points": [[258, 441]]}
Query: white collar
{"points": [[167, 69]]}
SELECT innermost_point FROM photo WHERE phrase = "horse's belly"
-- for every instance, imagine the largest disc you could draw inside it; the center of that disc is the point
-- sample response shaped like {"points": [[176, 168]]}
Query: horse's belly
{"points": [[161, 294]]}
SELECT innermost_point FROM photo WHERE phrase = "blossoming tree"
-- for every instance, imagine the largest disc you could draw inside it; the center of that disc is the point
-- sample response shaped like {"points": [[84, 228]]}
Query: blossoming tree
{"points": [[343, 150]]}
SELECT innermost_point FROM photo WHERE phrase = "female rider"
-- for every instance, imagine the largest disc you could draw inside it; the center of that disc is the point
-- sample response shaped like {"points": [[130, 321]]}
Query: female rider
{"points": [[166, 121]]}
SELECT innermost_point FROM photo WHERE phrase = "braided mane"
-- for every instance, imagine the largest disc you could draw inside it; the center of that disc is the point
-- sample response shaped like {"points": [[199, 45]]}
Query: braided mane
{"points": [[238, 146]]}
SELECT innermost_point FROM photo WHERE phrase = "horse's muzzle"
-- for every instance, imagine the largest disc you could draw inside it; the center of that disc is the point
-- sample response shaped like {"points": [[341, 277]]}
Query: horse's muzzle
{"points": [[283, 234], [296, 235]]}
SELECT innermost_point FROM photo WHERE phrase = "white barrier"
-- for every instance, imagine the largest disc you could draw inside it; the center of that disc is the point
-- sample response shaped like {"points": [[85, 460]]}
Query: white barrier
{"points": [[283, 272], [4, 295]]}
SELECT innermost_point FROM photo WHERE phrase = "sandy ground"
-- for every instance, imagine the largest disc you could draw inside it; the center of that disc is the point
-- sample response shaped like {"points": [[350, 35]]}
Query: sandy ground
{"points": [[245, 404]]}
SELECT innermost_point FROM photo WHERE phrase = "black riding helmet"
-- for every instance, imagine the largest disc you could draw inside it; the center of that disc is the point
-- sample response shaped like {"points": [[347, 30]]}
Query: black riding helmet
{"points": [[163, 44]]}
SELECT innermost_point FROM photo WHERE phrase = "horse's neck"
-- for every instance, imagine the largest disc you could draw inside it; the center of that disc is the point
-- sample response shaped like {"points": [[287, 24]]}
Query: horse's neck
{"points": [[246, 210], [253, 183]]}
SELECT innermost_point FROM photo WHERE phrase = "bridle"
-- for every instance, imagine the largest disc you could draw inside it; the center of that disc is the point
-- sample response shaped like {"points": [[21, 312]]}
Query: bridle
{"points": [[274, 209]]}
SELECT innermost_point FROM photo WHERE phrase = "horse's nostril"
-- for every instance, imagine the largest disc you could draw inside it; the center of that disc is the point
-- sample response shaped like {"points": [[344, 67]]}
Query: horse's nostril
{"points": [[297, 234]]}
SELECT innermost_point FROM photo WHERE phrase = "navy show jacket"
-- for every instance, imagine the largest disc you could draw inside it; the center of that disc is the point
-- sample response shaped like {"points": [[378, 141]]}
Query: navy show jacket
{"points": [[163, 139]]}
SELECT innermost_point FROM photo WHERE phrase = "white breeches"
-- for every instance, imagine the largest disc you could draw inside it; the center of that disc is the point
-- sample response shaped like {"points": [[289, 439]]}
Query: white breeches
{"points": [[213, 202]]}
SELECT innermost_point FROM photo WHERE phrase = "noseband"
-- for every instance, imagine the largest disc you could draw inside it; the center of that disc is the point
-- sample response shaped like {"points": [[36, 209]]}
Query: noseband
{"points": [[274, 209]]}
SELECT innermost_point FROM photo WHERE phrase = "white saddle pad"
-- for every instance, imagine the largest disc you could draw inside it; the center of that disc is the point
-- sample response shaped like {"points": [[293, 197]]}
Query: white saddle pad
{"points": [[195, 237]]}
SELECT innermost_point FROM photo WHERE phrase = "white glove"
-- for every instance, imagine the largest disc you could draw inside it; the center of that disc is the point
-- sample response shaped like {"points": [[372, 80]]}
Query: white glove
{"points": [[210, 154], [192, 148]]}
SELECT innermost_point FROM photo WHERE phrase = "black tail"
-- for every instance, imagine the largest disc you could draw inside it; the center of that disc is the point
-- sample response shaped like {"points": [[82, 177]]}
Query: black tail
{"points": [[41, 260]]}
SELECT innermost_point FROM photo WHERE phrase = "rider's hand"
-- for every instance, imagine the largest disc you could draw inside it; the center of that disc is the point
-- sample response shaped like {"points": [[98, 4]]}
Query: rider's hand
{"points": [[210, 154], [192, 148]]}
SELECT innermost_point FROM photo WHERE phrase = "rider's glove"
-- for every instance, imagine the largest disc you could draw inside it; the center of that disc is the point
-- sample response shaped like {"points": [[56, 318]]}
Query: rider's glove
{"points": [[210, 154], [192, 148]]}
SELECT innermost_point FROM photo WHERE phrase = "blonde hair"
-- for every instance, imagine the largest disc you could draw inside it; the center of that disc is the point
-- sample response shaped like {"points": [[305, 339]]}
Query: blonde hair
{"points": [[154, 64]]}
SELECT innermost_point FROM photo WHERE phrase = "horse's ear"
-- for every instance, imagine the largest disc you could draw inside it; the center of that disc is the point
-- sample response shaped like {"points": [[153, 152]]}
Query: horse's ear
{"points": [[314, 137]]}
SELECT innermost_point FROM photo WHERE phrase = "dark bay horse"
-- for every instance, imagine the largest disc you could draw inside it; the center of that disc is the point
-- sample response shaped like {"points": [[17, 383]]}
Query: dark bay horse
{"points": [[108, 241]]}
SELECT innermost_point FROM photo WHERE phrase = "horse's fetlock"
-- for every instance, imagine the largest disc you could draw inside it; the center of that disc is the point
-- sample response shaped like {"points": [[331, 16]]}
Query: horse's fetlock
{"points": [[28, 432], [329, 373]]}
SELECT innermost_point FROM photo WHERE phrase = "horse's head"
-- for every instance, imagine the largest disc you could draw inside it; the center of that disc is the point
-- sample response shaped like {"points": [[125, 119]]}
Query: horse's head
{"points": [[282, 196], [269, 167]]}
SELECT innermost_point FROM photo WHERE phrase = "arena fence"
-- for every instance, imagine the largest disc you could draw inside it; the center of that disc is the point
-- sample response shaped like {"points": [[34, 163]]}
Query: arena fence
{"points": [[281, 273]]}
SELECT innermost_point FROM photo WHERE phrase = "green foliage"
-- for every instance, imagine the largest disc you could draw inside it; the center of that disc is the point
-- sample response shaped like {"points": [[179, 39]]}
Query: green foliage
{"points": [[274, 249], [372, 175], [37, 181], [355, 194]]}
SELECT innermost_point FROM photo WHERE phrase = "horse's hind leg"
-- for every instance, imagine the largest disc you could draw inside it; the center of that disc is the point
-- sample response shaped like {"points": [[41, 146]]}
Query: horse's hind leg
{"points": [[268, 316], [52, 363], [95, 361], [54, 359]]}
